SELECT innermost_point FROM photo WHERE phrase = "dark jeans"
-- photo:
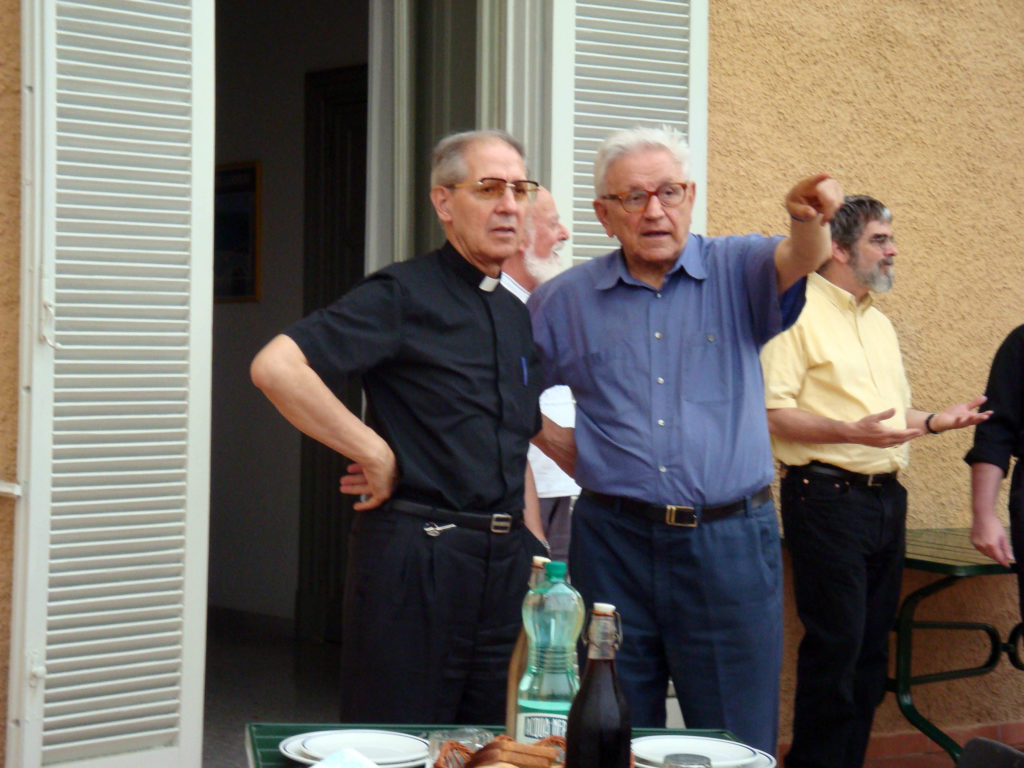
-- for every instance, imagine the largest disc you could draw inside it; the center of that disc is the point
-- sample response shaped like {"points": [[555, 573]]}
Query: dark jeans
{"points": [[703, 605], [847, 543], [430, 621]]}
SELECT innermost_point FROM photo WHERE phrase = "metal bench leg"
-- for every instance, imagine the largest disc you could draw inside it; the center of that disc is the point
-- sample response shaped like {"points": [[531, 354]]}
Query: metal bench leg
{"points": [[904, 673]]}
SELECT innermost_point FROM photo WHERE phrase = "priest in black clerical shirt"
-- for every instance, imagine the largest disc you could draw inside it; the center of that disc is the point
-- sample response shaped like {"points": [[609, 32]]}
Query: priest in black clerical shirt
{"points": [[440, 547]]}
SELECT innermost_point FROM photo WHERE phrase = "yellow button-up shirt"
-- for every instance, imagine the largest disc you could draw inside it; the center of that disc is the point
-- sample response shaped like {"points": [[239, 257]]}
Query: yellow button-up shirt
{"points": [[840, 360]]}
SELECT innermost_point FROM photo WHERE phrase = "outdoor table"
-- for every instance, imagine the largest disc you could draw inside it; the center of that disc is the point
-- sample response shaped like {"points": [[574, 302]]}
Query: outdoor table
{"points": [[262, 739], [946, 551]]}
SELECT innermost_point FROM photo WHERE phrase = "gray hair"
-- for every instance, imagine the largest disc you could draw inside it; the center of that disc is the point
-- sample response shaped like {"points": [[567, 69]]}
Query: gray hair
{"points": [[625, 142], [853, 215], [447, 161]]}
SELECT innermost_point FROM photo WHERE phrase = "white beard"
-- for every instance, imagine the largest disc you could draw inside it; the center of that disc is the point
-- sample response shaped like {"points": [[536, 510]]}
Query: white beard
{"points": [[542, 270]]}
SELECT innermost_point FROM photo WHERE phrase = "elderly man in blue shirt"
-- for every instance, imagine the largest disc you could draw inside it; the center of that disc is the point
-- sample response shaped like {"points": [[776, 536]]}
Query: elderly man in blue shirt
{"points": [[659, 343]]}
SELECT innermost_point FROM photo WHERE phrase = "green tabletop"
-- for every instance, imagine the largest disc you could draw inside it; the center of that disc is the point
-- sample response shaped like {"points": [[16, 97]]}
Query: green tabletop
{"points": [[262, 739], [948, 551]]}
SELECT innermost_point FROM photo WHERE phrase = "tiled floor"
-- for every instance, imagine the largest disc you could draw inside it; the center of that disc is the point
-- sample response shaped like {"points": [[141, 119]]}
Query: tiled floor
{"points": [[255, 670]]}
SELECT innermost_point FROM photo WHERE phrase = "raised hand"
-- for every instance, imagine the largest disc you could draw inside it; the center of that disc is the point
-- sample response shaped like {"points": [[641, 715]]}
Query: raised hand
{"points": [[820, 194]]}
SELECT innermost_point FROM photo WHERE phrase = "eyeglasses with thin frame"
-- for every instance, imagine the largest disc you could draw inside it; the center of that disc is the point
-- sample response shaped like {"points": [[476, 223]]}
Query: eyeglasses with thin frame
{"points": [[881, 241], [670, 194], [493, 189]]}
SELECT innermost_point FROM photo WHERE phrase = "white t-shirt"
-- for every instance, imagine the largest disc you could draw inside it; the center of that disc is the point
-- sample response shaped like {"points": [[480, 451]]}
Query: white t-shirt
{"points": [[558, 405]]}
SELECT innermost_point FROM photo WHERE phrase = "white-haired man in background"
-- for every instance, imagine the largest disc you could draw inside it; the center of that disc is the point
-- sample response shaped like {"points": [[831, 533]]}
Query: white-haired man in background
{"points": [[533, 264]]}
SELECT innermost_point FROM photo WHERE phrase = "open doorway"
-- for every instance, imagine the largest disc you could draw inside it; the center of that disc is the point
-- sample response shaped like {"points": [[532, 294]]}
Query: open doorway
{"points": [[266, 60]]}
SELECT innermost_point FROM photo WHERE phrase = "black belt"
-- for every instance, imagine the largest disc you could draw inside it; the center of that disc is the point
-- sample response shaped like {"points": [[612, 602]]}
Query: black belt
{"points": [[674, 514], [499, 522], [828, 470]]}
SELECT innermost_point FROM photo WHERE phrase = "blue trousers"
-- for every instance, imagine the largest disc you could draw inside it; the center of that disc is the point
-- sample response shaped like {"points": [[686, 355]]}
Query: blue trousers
{"points": [[847, 543], [702, 605]]}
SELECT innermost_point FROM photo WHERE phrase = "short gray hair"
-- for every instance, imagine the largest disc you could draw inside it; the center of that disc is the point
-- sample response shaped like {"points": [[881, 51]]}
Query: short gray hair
{"points": [[447, 161], [625, 142], [854, 215]]}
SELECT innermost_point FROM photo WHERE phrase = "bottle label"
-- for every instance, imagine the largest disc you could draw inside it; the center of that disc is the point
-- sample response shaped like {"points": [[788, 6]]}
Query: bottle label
{"points": [[534, 726]]}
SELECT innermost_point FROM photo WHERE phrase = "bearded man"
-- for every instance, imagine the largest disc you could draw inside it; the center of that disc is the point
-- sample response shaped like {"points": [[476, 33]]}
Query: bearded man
{"points": [[840, 415]]}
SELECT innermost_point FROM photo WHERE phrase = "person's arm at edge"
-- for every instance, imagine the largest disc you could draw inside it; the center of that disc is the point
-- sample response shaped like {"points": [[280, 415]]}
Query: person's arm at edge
{"points": [[284, 375], [558, 443], [531, 507], [987, 533], [811, 204]]}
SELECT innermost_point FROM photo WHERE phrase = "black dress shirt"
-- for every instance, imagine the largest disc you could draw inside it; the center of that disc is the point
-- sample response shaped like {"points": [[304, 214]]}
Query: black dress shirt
{"points": [[450, 374], [1002, 435]]}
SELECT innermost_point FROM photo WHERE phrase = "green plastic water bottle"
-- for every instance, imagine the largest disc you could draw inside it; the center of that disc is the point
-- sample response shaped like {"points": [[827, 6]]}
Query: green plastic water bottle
{"points": [[553, 615]]}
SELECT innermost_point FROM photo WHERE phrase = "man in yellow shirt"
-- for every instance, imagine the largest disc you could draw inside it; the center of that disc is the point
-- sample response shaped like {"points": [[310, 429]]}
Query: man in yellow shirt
{"points": [[840, 416]]}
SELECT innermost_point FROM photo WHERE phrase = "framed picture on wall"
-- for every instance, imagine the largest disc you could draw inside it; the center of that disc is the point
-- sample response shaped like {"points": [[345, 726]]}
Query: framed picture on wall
{"points": [[236, 232]]}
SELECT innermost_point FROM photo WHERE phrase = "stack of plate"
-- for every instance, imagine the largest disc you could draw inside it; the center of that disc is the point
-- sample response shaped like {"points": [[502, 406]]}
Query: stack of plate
{"points": [[387, 749], [650, 751]]}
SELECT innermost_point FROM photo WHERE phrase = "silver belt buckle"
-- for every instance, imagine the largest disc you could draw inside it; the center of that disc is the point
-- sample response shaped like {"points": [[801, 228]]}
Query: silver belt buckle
{"points": [[872, 483], [672, 516], [501, 523]]}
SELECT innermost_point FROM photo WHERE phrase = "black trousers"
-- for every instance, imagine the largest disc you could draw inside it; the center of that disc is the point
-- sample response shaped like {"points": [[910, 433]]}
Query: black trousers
{"points": [[847, 543], [429, 622]]}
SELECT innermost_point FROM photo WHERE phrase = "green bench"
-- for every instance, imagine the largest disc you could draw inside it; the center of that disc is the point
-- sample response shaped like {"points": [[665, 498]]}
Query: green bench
{"points": [[948, 552]]}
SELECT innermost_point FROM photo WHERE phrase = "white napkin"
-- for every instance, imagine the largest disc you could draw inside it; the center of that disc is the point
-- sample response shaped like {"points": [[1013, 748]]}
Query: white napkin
{"points": [[346, 758]]}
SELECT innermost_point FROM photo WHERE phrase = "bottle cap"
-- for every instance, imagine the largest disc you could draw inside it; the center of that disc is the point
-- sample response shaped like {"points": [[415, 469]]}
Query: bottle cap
{"points": [[555, 570], [606, 608]]}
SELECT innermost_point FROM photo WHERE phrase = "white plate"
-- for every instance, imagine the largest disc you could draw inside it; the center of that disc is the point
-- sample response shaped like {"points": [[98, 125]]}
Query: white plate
{"points": [[763, 760], [724, 754], [386, 748], [292, 749]]}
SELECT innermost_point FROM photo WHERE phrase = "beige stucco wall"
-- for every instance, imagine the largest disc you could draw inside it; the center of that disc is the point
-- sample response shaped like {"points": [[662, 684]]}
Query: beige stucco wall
{"points": [[921, 105], [10, 235]]}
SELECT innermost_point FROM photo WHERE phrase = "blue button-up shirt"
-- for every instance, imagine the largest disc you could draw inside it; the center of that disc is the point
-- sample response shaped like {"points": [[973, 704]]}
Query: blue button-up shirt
{"points": [[668, 386]]}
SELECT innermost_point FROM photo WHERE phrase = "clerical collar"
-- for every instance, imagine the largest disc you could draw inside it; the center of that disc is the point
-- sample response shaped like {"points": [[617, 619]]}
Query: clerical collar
{"points": [[466, 270]]}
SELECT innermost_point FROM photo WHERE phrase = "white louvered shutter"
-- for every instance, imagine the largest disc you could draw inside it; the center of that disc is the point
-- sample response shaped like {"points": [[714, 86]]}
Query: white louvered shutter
{"points": [[109, 610], [632, 66]]}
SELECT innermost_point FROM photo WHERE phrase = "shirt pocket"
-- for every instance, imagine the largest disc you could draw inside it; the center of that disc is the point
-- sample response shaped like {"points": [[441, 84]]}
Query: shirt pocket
{"points": [[704, 367]]}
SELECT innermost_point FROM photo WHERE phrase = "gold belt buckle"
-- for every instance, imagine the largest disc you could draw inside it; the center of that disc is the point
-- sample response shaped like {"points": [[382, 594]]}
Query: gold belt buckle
{"points": [[501, 523], [672, 512]]}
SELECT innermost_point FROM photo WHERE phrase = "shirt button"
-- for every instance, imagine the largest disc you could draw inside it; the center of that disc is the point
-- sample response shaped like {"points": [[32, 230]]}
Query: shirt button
{"points": [[657, 334], [711, 337], [662, 468], [661, 422], [657, 295], [661, 380]]}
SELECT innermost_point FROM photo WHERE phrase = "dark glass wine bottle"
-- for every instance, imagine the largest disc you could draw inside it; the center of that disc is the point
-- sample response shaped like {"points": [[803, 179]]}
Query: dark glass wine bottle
{"points": [[598, 733]]}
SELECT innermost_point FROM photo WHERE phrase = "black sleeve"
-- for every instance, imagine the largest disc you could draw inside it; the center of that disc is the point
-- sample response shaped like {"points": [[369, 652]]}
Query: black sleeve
{"points": [[1002, 436], [354, 334]]}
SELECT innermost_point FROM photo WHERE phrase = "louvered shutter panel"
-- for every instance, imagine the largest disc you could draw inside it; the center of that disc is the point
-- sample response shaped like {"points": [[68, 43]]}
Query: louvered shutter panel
{"points": [[124, 218], [631, 68]]}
